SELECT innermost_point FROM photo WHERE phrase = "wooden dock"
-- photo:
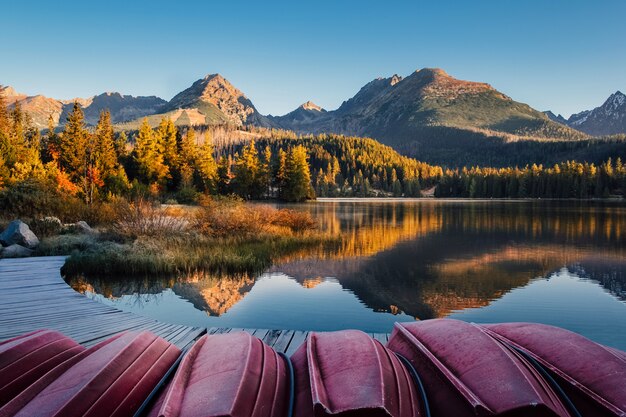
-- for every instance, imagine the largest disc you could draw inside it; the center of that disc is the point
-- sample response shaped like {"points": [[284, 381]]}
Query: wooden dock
{"points": [[33, 295]]}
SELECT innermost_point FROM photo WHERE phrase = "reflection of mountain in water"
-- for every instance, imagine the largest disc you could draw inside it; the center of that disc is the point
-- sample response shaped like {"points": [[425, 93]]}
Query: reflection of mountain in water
{"points": [[214, 295], [428, 259]]}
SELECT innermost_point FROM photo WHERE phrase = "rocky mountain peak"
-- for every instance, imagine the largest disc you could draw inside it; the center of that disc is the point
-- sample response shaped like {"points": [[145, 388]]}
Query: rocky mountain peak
{"points": [[215, 97], [608, 119], [9, 91], [395, 79], [615, 101], [309, 105]]}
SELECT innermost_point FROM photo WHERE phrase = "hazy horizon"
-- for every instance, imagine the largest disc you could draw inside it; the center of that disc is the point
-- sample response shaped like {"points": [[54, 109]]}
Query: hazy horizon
{"points": [[565, 56]]}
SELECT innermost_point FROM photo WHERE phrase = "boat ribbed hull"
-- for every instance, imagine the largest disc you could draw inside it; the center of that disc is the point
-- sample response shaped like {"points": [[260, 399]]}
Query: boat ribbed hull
{"points": [[593, 376], [348, 373], [232, 374], [110, 379], [439, 368], [25, 359], [467, 373]]}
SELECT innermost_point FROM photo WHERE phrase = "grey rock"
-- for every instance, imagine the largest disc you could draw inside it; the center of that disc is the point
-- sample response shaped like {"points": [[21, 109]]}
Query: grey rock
{"points": [[83, 227], [19, 232], [16, 251], [80, 227]]}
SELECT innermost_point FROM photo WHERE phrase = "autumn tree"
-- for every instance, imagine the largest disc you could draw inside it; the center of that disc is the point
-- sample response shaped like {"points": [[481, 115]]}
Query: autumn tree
{"points": [[188, 154], [73, 145], [207, 168], [167, 142], [298, 177], [148, 156], [247, 172]]}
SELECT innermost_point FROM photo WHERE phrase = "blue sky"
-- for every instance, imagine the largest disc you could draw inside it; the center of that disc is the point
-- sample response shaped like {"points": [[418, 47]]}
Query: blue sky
{"points": [[564, 55]]}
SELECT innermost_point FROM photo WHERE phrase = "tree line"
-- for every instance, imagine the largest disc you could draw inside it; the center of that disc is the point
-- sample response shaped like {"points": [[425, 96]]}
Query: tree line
{"points": [[171, 162], [568, 179], [165, 161]]}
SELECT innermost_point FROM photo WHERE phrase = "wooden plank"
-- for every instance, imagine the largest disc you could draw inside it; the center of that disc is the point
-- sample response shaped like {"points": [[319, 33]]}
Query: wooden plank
{"points": [[33, 295], [296, 341], [282, 342]]}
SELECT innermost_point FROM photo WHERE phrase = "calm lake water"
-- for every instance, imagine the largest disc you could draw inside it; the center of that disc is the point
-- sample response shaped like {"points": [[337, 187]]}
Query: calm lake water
{"points": [[559, 263]]}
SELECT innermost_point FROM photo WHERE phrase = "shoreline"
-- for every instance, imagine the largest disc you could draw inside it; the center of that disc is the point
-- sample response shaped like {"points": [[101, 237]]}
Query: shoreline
{"points": [[456, 199]]}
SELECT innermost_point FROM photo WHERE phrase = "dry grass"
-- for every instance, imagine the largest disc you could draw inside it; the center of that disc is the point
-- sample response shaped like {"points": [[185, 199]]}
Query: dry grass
{"points": [[237, 219]]}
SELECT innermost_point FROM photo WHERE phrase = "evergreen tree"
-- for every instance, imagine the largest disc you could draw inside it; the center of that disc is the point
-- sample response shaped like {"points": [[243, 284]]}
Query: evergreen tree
{"points": [[148, 156], [73, 146], [166, 136], [224, 175], [207, 168], [106, 155], [247, 173], [188, 153], [281, 172], [121, 142], [298, 177]]}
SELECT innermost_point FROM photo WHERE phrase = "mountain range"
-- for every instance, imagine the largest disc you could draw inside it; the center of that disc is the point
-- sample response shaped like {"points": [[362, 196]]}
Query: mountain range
{"points": [[607, 119], [42, 108], [428, 114]]}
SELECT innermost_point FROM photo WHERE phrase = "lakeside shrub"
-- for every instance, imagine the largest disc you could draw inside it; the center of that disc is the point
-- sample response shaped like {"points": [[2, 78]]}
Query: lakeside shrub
{"points": [[47, 226], [66, 245], [145, 218], [31, 198]]}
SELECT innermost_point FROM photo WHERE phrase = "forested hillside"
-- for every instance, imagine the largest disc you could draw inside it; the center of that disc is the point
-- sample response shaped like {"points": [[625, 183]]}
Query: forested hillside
{"points": [[170, 163]]}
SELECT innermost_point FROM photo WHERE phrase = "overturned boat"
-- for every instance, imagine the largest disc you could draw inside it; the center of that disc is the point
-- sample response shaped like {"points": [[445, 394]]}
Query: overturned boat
{"points": [[347, 373], [466, 372], [25, 359], [592, 376], [110, 379], [233, 374]]}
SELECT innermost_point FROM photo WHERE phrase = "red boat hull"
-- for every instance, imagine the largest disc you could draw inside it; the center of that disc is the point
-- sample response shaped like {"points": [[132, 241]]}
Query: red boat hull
{"points": [[232, 374], [593, 376], [111, 379], [467, 373], [25, 359], [348, 373]]}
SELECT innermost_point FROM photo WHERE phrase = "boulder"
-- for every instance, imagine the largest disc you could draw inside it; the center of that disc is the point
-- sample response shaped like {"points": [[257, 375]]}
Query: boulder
{"points": [[80, 227], [16, 251], [83, 227], [19, 233]]}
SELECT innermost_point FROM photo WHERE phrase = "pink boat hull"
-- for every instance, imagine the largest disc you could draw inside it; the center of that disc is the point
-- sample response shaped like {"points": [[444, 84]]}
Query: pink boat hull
{"points": [[467, 373], [348, 373], [232, 374], [593, 376], [111, 379], [25, 359]]}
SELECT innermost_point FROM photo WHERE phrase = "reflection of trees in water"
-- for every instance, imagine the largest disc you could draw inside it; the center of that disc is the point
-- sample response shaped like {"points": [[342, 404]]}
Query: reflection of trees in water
{"points": [[368, 228], [610, 274], [422, 279], [427, 259]]}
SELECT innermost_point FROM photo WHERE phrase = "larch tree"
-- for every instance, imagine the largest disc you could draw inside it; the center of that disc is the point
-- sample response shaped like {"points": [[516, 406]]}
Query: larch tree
{"points": [[106, 156], [247, 170], [298, 176], [187, 152], [148, 156], [166, 136], [206, 168], [281, 172], [224, 175]]}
